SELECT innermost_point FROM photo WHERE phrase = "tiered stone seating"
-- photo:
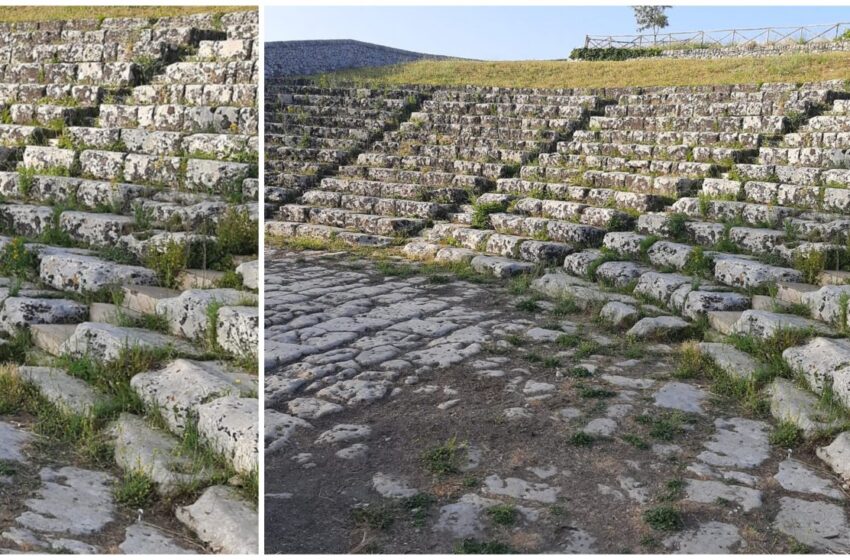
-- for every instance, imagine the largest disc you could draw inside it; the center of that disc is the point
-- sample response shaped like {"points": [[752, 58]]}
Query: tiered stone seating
{"points": [[311, 130], [129, 190], [438, 162]]}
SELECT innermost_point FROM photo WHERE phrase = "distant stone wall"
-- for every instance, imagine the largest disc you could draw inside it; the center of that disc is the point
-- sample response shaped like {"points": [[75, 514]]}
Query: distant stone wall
{"points": [[744, 51], [305, 58]]}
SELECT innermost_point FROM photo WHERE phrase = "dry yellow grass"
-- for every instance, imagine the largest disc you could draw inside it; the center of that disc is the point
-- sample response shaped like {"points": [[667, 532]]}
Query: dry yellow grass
{"points": [[643, 72], [50, 13]]}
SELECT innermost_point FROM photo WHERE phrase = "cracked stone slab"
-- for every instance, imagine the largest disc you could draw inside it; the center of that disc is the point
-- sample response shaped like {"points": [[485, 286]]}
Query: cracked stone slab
{"points": [[70, 500], [344, 432], [738, 442]]}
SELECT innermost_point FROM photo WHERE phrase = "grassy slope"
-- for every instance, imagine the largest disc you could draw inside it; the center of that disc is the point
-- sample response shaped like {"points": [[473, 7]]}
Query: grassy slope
{"points": [[644, 72], [50, 13]]}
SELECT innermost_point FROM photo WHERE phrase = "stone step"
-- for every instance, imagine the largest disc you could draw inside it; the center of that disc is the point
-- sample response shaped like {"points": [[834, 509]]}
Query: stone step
{"points": [[51, 338], [183, 386], [68, 394], [21, 312], [763, 324], [189, 313], [789, 403], [372, 224], [729, 359], [210, 95], [104, 342], [86, 274], [374, 205], [296, 230], [144, 299], [109, 313], [692, 138], [193, 278], [825, 363], [640, 202], [140, 448], [180, 118]]}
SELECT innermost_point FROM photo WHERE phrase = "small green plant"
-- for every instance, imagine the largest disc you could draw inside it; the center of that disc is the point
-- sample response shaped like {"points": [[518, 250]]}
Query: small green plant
{"points": [[17, 261], [673, 490], [136, 490], [444, 459], [786, 435], [811, 264], [481, 213], [580, 372], [635, 441], [581, 439], [167, 262], [596, 393], [663, 518], [503, 514], [529, 305], [237, 233], [373, 516]]}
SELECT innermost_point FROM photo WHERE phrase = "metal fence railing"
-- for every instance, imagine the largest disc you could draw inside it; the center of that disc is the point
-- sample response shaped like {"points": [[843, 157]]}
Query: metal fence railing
{"points": [[722, 37]]}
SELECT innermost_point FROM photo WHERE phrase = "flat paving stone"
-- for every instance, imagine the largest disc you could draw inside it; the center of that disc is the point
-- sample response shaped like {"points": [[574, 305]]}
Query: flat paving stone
{"points": [[680, 396], [712, 537], [821, 525], [12, 443], [797, 477]]}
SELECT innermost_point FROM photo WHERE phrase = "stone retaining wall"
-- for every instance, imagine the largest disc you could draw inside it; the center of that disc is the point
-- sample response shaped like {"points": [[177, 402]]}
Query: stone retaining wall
{"points": [[304, 58]]}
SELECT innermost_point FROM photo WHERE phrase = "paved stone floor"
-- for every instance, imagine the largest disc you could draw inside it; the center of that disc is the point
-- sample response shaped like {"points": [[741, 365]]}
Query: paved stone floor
{"points": [[424, 414], [49, 503]]}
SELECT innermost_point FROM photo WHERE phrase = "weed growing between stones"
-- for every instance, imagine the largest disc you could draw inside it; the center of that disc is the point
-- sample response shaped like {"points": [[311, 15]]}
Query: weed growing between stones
{"points": [[168, 262], [481, 213], [664, 518], [444, 459], [582, 439], [635, 441], [237, 233], [503, 514], [786, 435], [17, 261], [373, 516], [136, 490]]}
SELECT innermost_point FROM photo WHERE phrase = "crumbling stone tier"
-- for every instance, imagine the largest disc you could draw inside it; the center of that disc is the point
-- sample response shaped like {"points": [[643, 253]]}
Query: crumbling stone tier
{"points": [[723, 210], [128, 228]]}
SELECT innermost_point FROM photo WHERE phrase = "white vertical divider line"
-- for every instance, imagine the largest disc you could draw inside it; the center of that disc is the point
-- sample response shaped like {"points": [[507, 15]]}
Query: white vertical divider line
{"points": [[261, 104]]}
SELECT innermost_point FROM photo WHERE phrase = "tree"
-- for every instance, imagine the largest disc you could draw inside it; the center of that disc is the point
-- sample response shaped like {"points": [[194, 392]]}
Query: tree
{"points": [[651, 17]]}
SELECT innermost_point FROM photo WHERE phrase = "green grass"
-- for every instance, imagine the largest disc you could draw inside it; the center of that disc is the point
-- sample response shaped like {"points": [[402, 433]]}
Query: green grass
{"points": [[663, 518], [136, 490], [640, 72], [444, 459], [635, 441], [581, 439], [786, 435], [503, 514], [7, 469], [529, 305], [596, 393]]}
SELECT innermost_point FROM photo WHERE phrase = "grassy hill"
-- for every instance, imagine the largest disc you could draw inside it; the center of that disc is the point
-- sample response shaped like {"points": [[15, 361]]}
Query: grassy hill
{"points": [[641, 72]]}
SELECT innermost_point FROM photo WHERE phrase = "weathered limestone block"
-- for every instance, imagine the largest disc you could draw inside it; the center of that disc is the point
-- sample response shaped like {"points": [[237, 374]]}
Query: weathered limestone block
{"points": [[81, 274], [740, 273], [188, 314], [19, 312], [223, 520], [181, 387], [105, 342], [237, 330], [141, 448], [231, 426], [95, 229]]}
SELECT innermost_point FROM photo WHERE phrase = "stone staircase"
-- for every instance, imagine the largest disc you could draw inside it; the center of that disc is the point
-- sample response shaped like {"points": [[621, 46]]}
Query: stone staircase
{"points": [[675, 210], [128, 214]]}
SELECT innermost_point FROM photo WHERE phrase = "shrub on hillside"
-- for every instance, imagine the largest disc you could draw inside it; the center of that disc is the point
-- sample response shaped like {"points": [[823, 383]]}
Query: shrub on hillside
{"points": [[612, 53]]}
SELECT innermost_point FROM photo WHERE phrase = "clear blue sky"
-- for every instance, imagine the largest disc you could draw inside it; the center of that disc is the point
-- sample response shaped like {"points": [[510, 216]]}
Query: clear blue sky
{"points": [[512, 33]]}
